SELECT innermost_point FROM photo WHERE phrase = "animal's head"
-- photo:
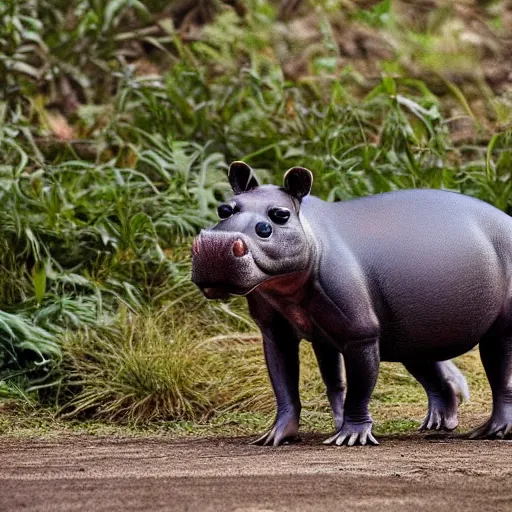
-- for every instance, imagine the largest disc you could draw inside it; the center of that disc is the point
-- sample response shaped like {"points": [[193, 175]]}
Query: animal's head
{"points": [[259, 235]]}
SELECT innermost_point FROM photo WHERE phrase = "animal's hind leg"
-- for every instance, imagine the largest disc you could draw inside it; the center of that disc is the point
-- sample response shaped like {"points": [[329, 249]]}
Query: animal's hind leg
{"points": [[445, 387], [496, 355]]}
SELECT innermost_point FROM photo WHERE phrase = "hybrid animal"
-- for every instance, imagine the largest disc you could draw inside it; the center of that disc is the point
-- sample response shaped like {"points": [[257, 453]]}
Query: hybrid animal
{"points": [[415, 276]]}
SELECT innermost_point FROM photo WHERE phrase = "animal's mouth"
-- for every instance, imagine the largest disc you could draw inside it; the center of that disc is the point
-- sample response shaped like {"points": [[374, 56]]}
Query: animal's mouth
{"points": [[215, 293]]}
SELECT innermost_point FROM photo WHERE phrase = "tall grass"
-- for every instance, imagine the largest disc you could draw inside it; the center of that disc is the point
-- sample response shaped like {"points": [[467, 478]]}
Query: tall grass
{"points": [[160, 368]]}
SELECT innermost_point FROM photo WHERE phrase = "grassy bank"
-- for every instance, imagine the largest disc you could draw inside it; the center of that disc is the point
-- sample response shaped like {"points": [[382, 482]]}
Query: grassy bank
{"points": [[398, 403], [117, 123]]}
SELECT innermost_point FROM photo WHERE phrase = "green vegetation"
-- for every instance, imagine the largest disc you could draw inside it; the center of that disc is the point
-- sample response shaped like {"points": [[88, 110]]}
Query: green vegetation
{"points": [[117, 122]]}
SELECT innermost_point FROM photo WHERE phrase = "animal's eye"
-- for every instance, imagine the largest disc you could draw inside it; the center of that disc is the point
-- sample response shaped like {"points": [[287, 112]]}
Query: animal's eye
{"points": [[224, 211], [279, 215]]}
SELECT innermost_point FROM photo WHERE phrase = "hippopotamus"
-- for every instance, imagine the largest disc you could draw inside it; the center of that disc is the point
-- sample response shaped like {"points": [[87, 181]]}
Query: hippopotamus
{"points": [[413, 276]]}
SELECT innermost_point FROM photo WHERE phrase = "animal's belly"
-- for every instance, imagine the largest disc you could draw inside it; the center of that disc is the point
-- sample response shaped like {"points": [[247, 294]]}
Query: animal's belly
{"points": [[438, 320], [398, 346], [432, 324]]}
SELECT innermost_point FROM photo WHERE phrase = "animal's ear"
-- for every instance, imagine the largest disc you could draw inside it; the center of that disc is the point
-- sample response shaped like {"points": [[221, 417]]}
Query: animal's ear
{"points": [[241, 177], [298, 182]]}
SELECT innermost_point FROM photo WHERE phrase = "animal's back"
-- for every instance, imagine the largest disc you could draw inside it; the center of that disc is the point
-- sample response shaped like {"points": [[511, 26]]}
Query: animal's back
{"points": [[437, 264]]}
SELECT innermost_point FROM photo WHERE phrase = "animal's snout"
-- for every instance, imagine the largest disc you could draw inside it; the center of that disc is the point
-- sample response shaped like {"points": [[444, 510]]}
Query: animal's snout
{"points": [[218, 262], [239, 248], [203, 243]]}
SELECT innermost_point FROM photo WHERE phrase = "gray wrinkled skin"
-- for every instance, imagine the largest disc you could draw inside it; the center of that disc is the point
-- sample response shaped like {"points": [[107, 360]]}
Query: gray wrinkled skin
{"points": [[416, 276]]}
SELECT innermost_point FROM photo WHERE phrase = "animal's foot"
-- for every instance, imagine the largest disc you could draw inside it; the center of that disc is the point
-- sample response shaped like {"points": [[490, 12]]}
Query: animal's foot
{"points": [[285, 429], [441, 415], [498, 426], [352, 434], [437, 419], [442, 407]]}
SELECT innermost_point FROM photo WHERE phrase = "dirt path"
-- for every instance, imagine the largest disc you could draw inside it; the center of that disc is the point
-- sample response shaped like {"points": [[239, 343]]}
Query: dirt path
{"points": [[228, 475]]}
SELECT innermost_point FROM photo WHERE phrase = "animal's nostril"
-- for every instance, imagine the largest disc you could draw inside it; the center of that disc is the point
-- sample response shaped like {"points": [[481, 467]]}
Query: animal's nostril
{"points": [[195, 246], [239, 248]]}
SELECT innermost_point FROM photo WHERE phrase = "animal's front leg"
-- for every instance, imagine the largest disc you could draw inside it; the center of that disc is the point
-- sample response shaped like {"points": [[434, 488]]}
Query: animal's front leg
{"points": [[281, 347], [361, 366], [330, 363]]}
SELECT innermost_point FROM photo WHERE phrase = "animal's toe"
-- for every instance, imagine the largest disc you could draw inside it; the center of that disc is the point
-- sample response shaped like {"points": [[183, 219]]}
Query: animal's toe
{"points": [[451, 423], [439, 420], [261, 441], [352, 435], [492, 429]]}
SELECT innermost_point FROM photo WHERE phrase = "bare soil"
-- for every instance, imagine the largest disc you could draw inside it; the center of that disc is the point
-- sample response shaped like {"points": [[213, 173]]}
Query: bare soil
{"points": [[408, 473]]}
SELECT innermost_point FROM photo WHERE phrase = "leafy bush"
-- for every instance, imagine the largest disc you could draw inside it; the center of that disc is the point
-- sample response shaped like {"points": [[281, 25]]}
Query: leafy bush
{"points": [[78, 239]]}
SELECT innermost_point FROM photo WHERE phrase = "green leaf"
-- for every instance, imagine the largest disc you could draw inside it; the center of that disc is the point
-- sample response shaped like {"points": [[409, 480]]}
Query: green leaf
{"points": [[39, 282]]}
